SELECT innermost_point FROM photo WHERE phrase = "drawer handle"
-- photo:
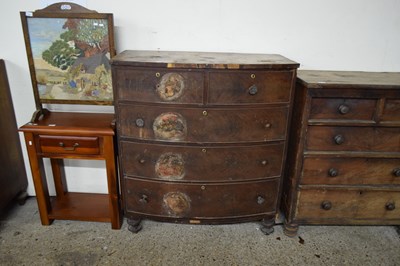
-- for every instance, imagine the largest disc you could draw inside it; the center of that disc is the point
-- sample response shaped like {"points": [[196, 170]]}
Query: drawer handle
{"points": [[260, 200], [62, 145], [144, 199], [253, 90], [343, 109], [264, 162], [142, 161], [333, 172], [396, 172], [390, 206], [326, 205], [339, 139], [139, 122]]}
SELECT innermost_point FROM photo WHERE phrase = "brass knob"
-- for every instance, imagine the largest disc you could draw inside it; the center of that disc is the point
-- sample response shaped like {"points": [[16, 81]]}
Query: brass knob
{"points": [[253, 90], [205, 113], [343, 109], [396, 172], [144, 199], [260, 200], [333, 172], [326, 205], [253, 76], [339, 139], [158, 74], [204, 150], [390, 206], [264, 162], [142, 161], [267, 125], [139, 122]]}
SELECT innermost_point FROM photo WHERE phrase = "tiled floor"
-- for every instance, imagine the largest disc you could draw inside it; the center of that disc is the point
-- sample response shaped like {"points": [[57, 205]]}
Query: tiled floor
{"points": [[24, 241]]}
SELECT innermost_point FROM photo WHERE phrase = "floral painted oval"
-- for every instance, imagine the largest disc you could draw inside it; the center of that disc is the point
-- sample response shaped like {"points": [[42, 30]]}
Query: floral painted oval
{"points": [[171, 86], [170, 166], [177, 203], [170, 126]]}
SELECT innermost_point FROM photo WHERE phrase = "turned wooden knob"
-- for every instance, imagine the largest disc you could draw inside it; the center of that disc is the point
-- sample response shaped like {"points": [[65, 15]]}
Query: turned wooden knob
{"points": [[396, 172], [326, 205], [339, 139], [390, 206], [333, 172], [343, 109]]}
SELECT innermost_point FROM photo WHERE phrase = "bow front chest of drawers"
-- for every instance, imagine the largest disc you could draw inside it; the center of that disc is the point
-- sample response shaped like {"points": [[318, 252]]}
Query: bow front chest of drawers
{"points": [[344, 156], [202, 136]]}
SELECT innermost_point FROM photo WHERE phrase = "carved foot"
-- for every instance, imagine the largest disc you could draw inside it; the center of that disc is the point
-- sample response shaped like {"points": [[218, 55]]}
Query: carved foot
{"points": [[290, 230], [267, 226], [134, 225]]}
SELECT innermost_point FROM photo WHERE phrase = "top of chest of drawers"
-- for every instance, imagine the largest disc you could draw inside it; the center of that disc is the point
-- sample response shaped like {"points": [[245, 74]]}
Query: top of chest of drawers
{"points": [[349, 79], [202, 60]]}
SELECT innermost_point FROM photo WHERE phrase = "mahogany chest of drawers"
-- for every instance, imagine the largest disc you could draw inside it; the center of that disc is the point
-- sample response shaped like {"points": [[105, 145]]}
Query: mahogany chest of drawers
{"points": [[344, 154], [202, 136]]}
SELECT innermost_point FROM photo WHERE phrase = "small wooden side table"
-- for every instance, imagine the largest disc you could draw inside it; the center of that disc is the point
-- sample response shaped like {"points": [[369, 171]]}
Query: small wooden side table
{"points": [[68, 135]]}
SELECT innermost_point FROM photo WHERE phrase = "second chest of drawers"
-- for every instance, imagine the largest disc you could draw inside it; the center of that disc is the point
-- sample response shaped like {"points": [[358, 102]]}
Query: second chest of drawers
{"points": [[202, 136], [344, 162]]}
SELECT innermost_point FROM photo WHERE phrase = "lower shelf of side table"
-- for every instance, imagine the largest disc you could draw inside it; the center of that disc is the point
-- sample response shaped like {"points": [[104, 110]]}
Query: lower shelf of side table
{"points": [[80, 206]]}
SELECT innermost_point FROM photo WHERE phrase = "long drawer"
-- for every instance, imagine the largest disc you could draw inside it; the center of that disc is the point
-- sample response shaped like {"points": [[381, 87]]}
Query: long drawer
{"points": [[369, 139], [350, 171], [201, 163], [348, 204], [207, 200], [218, 125]]}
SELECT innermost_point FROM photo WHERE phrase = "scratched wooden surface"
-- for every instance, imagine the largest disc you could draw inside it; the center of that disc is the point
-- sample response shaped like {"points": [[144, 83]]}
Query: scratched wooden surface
{"points": [[172, 59], [319, 79]]}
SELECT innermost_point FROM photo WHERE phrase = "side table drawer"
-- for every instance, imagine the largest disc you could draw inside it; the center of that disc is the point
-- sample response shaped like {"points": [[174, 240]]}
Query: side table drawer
{"points": [[348, 204], [178, 200], [69, 145]]}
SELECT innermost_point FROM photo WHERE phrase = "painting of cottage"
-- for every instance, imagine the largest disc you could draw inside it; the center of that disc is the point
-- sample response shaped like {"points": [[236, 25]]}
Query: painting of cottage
{"points": [[71, 59]]}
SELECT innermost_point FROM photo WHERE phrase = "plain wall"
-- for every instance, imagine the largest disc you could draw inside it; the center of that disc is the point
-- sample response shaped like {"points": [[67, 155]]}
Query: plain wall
{"points": [[359, 35]]}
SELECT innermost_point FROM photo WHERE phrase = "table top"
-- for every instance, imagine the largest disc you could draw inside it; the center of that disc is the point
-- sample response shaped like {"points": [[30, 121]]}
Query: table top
{"points": [[199, 60], [71, 123], [354, 79]]}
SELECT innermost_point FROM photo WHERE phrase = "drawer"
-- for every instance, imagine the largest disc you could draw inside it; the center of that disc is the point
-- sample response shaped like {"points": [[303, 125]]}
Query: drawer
{"points": [[350, 171], [159, 85], [342, 109], [201, 164], [69, 145], [203, 125], [243, 87], [391, 110], [348, 204], [368, 139], [200, 200]]}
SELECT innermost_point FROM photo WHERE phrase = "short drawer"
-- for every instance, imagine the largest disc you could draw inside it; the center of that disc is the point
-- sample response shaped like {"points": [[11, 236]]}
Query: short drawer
{"points": [[342, 109], [69, 145], [350, 171], [200, 200], [348, 204], [243, 87], [201, 163], [368, 139], [222, 125], [391, 110], [159, 85]]}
